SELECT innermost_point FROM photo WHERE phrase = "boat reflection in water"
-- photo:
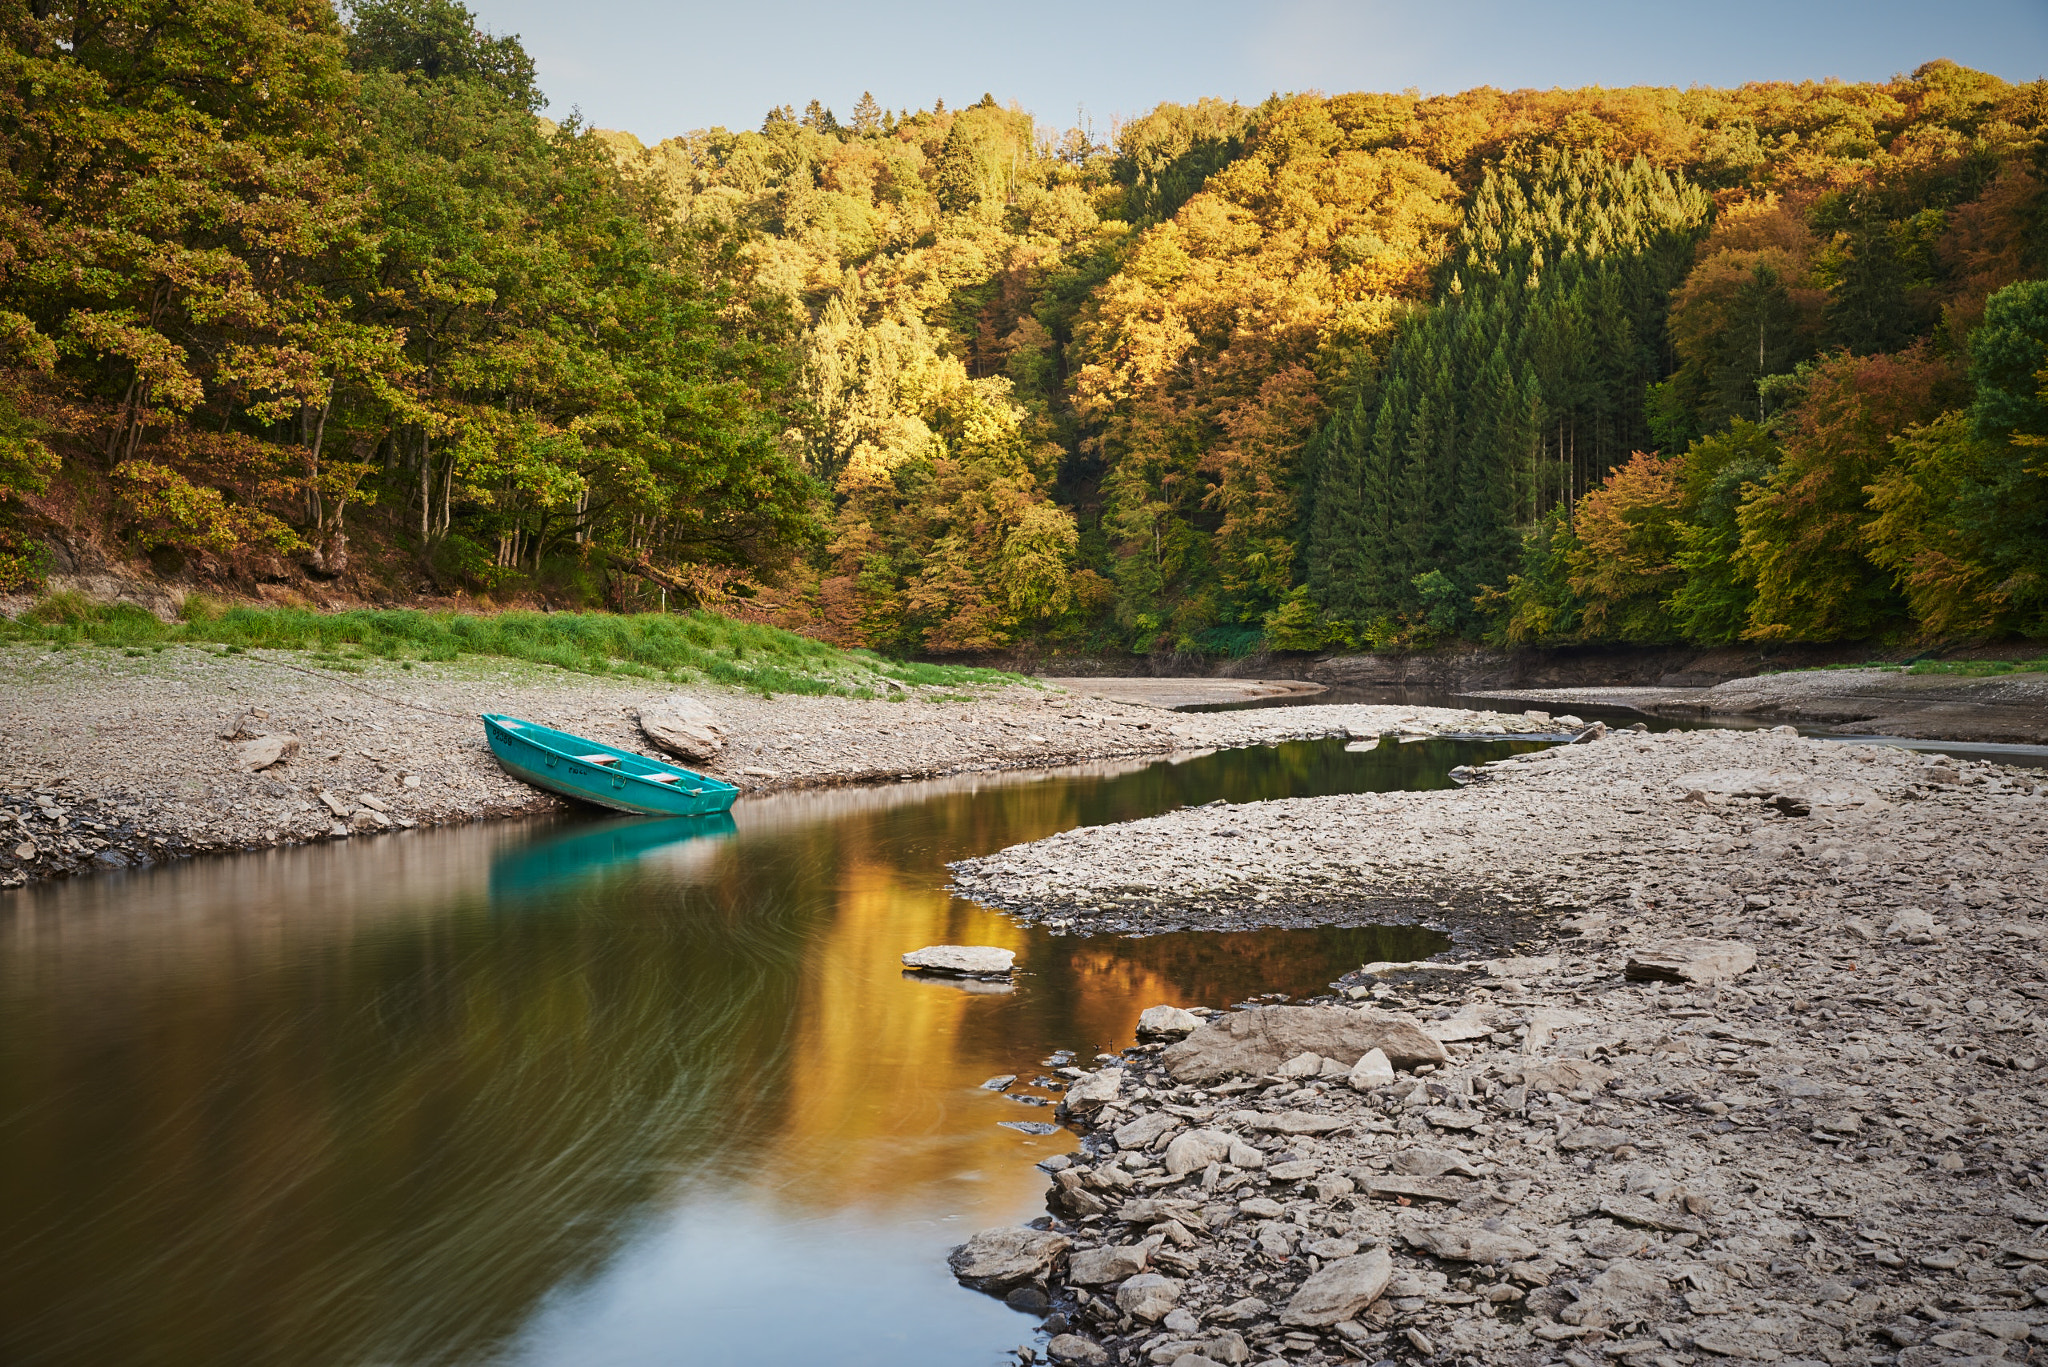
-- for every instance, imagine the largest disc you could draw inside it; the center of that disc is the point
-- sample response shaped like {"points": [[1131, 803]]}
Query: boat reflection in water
{"points": [[556, 864]]}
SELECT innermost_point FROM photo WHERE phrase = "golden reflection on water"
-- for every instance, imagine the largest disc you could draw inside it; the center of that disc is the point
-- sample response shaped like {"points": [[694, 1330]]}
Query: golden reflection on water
{"points": [[446, 1096]]}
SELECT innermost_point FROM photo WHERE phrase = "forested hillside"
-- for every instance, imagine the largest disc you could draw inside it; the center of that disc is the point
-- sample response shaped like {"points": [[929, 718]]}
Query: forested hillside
{"points": [[267, 281], [1352, 371]]}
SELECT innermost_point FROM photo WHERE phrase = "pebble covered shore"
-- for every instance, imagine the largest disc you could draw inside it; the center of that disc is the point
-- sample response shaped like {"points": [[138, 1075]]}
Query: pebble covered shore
{"points": [[1762, 1082], [115, 761]]}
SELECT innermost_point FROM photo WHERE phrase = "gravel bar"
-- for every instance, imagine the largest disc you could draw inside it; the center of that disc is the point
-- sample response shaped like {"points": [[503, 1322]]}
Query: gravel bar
{"points": [[1762, 1081]]}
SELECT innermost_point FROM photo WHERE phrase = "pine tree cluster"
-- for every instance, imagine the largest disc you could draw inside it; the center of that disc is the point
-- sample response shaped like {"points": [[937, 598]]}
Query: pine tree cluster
{"points": [[1520, 388]]}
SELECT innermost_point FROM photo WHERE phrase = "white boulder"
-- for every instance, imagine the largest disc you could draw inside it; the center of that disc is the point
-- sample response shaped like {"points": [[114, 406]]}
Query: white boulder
{"points": [[1373, 1069], [1167, 1022], [1196, 1150], [963, 960], [264, 751], [683, 726]]}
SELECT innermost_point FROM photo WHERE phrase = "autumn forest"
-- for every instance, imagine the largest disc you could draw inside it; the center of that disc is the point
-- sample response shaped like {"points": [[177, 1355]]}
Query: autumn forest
{"points": [[292, 297]]}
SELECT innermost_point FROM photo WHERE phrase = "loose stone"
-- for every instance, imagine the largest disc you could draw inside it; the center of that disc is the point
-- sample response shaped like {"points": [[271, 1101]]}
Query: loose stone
{"points": [[1261, 1040], [1148, 1296]]}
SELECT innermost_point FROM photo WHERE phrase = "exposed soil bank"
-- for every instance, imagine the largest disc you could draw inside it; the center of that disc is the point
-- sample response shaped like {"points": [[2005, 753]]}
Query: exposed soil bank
{"points": [[1463, 668], [113, 760], [1830, 1151], [1184, 692], [2012, 708], [79, 565]]}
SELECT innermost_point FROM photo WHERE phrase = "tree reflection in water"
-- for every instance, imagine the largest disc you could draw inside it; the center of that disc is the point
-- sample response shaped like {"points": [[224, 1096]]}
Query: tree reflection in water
{"points": [[601, 1090]]}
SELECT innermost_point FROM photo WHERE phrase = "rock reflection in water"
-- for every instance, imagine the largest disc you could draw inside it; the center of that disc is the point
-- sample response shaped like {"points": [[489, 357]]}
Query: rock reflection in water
{"points": [[611, 1091]]}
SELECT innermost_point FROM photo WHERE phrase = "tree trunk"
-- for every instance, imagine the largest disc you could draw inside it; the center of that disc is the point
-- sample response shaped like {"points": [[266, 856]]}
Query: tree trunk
{"points": [[318, 439]]}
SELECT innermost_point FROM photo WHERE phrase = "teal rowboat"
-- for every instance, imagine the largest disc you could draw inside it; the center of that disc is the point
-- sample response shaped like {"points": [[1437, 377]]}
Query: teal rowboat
{"points": [[610, 777]]}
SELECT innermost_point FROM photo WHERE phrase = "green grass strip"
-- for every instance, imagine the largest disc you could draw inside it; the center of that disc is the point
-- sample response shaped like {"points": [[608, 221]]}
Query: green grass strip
{"points": [[674, 647], [1977, 669]]}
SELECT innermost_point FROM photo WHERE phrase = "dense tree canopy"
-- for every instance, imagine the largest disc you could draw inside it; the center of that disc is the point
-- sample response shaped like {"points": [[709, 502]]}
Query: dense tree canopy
{"points": [[1644, 364], [251, 287]]}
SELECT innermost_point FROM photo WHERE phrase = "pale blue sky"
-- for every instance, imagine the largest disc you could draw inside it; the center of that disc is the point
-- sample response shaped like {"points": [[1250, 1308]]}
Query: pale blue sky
{"points": [[658, 67]]}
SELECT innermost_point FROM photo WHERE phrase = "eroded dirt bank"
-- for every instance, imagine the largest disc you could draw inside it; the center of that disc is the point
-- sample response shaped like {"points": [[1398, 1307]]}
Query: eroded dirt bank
{"points": [[111, 760], [1182, 691], [1764, 1083]]}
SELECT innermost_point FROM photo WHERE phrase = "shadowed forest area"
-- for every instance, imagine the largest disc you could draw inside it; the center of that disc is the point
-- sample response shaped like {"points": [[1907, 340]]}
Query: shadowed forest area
{"points": [[322, 307]]}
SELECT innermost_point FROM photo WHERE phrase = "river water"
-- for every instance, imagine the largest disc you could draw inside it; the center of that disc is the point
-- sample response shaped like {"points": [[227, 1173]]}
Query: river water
{"points": [[590, 1090]]}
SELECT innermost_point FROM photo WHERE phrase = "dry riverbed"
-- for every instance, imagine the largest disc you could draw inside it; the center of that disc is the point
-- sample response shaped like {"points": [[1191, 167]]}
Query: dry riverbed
{"points": [[1763, 1081], [112, 761]]}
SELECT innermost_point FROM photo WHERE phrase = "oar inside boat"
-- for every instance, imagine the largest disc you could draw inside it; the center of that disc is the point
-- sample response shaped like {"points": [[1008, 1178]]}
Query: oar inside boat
{"points": [[591, 771]]}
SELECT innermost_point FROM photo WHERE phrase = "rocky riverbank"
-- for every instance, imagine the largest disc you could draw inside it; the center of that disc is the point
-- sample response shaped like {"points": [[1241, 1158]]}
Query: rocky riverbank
{"points": [[1763, 1081], [114, 760]]}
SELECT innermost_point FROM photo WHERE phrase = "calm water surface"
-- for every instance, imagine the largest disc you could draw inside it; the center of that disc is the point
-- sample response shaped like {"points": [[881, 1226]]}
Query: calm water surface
{"points": [[597, 1091]]}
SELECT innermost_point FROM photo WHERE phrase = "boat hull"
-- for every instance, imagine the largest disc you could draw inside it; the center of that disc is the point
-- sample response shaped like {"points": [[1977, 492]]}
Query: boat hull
{"points": [[549, 759]]}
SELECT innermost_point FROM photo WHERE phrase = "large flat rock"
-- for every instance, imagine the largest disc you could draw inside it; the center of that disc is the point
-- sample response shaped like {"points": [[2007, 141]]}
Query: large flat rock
{"points": [[963, 960], [1692, 960], [1260, 1040], [998, 1259], [1340, 1290], [1469, 1242], [1880, 701]]}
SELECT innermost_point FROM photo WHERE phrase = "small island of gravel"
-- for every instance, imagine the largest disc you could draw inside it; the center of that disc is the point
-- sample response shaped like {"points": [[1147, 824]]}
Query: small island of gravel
{"points": [[1761, 1081]]}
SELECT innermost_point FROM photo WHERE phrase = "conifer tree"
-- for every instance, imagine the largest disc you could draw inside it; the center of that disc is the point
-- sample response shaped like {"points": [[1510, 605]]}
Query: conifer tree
{"points": [[1378, 576], [1485, 538], [820, 119], [1336, 537]]}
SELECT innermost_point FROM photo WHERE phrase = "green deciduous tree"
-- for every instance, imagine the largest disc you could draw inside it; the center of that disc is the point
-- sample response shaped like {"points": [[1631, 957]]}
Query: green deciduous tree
{"points": [[1712, 605], [1802, 530]]}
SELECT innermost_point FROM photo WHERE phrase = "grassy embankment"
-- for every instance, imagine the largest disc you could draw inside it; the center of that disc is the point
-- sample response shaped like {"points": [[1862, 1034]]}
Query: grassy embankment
{"points": [[691, 647], [1969, 669], [1977, 669]]}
